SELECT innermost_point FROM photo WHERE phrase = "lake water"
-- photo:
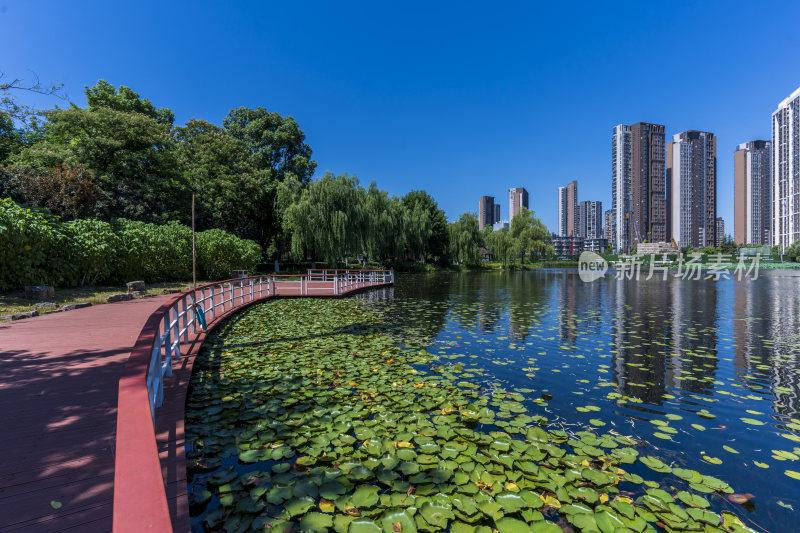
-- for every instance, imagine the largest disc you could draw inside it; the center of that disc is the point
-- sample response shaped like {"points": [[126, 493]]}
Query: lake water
{"points": [[641, 351], [703, 374]]}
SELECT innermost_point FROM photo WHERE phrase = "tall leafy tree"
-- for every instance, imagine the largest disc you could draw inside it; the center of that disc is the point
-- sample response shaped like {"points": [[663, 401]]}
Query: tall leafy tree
{"points": [[530, 235], [105, 95], [277, 143], [465, 239], [328, 221], [427, 226], [384, 235], [500, 243], [216, 167], [131, 154]]}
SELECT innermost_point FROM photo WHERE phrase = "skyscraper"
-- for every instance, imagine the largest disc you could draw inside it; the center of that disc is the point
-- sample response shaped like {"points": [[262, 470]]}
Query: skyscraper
{"points": [[648, 199], [608, 217], [752, 183], [517, 199], [562, 211], [572, 208], [786, 171], [496, 213], [692, 189], [590, 220], [621, 188], [486, 212], [720, 230]]}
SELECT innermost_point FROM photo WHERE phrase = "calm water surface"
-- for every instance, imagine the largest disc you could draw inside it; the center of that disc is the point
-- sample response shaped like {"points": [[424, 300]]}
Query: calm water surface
{"points": [[705, 372]]}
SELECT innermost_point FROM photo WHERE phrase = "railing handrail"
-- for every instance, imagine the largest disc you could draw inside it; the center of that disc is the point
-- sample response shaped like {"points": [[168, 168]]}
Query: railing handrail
{"points": [[140, 500]]}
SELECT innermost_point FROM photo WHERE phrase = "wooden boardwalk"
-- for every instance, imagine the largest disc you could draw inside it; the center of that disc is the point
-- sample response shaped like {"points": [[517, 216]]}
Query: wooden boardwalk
{"points": [[59, 377]]}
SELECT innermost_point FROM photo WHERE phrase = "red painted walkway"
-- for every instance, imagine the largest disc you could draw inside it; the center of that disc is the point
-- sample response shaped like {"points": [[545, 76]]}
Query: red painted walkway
{"points": [[59, 384], [59, 377]]}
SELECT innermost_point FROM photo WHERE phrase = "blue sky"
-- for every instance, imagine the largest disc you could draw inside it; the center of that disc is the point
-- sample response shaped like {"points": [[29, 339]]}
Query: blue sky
{"points": [[460, 99]]}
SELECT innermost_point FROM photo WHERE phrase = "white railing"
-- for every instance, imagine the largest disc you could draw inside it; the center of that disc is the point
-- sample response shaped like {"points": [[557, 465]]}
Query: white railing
{"points": [[216, 299]]}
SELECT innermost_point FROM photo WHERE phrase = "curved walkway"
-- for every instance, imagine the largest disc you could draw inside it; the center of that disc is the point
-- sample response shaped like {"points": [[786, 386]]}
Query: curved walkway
{"points": [[59, 384], [59, 377]]}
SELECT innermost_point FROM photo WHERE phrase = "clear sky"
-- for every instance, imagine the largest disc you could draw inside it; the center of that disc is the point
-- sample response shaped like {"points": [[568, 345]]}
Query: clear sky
{"points": [[460, 99]]}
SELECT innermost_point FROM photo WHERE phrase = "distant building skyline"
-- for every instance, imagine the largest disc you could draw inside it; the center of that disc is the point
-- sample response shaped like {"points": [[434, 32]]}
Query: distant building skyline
{"points": [[720, 230], [752, 182]]}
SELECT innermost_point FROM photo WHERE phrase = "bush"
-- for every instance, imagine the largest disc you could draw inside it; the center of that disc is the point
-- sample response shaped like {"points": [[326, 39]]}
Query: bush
{"points": [[93, 250], [219, 252], [32, 248], [154, 252], [37, 249]]}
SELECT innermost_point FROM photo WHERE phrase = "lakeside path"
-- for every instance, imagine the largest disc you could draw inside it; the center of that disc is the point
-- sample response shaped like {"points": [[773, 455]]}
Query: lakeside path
{"points": [[59, 378], [59, 391]]}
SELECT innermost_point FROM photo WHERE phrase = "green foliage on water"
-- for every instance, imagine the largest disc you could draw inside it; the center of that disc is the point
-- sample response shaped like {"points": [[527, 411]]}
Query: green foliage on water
{"points": [[313, 415]]}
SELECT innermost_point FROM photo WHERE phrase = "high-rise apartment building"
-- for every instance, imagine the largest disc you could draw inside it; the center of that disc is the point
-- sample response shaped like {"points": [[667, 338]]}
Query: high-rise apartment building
{"points": [[621, 188], [486, 212], [517, 199], [720, 230], [692, 189], [572, 208], [648, 217], [608, 216], [590, 220], [752, 183], [568, 210], [786, 171]]}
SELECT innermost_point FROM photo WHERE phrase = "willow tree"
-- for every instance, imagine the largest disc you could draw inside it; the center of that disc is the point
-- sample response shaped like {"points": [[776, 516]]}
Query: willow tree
{"points": [[465, 239], [384, 231], [529, 235], [328, 221], [500, 243]]}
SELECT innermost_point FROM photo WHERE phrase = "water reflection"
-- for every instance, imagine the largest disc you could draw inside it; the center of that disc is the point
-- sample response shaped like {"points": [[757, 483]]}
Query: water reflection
{"points": [[716, 363]]}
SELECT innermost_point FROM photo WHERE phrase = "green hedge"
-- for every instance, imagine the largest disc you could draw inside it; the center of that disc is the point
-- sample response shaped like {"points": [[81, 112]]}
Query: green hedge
{"points": [[37, 249]]}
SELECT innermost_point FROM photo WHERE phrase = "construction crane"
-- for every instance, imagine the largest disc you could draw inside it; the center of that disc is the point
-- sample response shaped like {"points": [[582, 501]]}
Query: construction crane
{"points": [[676, 245]]}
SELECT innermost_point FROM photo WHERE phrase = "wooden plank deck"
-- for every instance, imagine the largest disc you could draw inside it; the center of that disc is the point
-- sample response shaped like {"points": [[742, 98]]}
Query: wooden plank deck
{"points": [[59, 377]]}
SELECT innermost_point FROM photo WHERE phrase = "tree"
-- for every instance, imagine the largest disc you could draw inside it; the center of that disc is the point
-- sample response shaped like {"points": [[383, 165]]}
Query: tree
{"points": [[104, 95], [130, 152], [276, 143], [217, 170], [427, 226], [384, 235], [328, 220], [10, 137], [69, 193], [500, 244], [530, 235], [793, 251], [465, 239]]}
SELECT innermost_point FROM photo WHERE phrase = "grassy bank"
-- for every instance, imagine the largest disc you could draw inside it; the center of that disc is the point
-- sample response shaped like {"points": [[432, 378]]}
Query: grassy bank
{"points": [[15, 302]]}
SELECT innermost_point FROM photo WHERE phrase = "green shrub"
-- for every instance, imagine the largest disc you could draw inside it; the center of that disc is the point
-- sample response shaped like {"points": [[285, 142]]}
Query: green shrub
{"points": [[219, 252], [153, 252], [37, 249], [93, 251], [33, 248]]}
